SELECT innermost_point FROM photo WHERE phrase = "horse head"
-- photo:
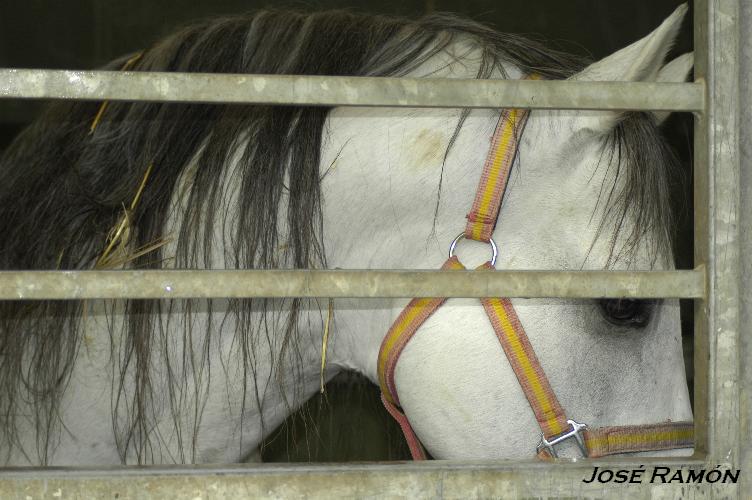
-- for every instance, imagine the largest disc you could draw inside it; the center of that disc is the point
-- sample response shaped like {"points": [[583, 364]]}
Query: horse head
{"points": [[588, 190]]}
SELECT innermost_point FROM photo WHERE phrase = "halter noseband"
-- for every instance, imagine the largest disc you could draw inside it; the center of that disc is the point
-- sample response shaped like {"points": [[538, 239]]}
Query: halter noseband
{"points": [[555, 426]]}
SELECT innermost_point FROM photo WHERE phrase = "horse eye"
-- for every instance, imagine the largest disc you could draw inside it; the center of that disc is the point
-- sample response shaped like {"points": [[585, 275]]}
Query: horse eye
{"points": [[627, 312]]}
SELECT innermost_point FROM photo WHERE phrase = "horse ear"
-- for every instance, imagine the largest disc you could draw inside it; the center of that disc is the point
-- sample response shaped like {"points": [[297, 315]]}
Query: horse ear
{"points": [[640, 62], [676, 71]]}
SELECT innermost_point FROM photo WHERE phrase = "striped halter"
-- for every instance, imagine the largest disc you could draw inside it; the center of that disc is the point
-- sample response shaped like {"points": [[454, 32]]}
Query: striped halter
{"points": [[555, 426]]}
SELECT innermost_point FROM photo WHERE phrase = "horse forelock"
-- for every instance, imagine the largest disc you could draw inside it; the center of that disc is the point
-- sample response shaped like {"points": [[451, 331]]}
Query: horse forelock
{"points": [[62, 189], [638, 217]]}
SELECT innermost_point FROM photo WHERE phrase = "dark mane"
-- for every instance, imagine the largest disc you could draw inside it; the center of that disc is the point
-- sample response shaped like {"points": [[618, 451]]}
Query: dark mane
{"points": [[640, 198], [62, 189]]}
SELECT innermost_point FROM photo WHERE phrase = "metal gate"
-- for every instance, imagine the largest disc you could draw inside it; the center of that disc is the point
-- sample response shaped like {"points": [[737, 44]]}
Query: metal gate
{"points": [[722, 192]]}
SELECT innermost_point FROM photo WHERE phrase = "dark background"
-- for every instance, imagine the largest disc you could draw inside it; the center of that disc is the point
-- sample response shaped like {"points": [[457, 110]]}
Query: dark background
{"points": [[85, 34]]}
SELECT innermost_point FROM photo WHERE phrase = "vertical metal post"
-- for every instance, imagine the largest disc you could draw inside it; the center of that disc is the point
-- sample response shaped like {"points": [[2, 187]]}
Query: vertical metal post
{"points": [[701, 233], [745, 227], [717, 232]]}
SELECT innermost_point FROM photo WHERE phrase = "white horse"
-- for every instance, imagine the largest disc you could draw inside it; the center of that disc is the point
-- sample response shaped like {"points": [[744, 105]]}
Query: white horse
{"points": [[588, 191]]}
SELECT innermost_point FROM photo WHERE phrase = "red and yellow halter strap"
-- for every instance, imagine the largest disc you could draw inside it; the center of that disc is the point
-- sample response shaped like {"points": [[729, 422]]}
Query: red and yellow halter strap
{"points": [[554, 424]]}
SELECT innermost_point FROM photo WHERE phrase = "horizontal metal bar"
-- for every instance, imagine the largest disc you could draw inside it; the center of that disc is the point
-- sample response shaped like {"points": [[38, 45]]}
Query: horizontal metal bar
{"points": [[349, 91], [415, 480], [35, 285]]}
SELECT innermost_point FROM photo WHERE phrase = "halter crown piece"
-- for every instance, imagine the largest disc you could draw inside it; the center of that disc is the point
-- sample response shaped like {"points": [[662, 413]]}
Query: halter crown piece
{"points": [[554, 424]]}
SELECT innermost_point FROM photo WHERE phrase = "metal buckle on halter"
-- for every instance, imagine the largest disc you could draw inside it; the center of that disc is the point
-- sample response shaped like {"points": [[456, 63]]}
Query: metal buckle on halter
{"points": [[575, 433]]}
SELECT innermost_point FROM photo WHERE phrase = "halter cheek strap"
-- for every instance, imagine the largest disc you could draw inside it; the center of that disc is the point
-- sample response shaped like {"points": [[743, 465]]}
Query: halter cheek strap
{"points": [[493, 181], [550, 415]]}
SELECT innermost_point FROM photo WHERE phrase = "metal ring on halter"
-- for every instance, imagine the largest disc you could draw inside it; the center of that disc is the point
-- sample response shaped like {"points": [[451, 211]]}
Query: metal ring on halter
{"points": [[495, 251]]}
